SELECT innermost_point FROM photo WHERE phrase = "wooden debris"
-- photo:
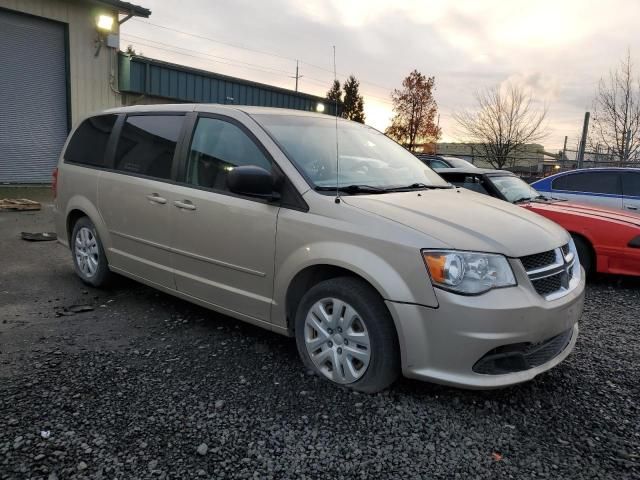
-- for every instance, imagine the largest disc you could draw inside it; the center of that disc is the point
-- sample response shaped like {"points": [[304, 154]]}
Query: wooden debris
{"points": [[19, 204]]}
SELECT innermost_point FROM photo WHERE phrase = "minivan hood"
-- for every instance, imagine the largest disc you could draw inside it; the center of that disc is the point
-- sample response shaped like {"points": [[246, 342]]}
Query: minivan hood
{"points": [[466, 220]]}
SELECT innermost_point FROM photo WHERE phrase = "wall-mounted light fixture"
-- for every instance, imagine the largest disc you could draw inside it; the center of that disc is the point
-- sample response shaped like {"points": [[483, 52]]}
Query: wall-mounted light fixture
{"points": [[320, 107], [104, 23], [104, 26]]}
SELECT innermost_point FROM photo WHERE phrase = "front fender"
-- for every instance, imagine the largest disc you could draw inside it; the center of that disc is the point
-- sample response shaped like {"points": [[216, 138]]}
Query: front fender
{"points": [[409, 284]]}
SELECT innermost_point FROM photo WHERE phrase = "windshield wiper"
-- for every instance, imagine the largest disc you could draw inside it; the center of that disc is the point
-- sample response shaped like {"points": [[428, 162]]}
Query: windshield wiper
{"points": [[415, 186], [353, 189], [522, 199]]}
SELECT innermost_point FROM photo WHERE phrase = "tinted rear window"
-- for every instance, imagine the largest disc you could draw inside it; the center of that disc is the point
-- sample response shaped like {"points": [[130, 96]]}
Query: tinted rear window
{"points": [[89, 142], [589, 182], [147, 144], [631, 184]]}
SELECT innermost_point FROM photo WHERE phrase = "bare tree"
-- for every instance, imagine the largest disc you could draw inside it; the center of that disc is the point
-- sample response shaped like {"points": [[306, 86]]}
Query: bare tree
{"points": [[503, 122], [616, 112]]}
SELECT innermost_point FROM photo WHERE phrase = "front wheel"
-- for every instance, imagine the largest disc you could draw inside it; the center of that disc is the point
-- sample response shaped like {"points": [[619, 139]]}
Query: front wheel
{"points": [[345, 333], [89, 259]]}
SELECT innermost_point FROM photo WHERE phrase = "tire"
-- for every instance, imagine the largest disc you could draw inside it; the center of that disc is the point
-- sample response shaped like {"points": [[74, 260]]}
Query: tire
{"points": [[322, 343], [89, 260], [585, 254]]}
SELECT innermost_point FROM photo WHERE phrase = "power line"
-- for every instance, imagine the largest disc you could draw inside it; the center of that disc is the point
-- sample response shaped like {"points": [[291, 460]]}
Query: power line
{"points": [[181, 51], [234, 45], [261, 52], [229, 61], [129, 35]]}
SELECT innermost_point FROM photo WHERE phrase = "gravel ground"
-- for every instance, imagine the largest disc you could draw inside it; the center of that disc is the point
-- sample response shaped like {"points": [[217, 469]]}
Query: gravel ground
{"points": [[148, 386]]}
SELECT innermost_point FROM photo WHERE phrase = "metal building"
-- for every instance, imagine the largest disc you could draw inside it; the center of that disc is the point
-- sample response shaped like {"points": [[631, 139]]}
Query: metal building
{"points": [[60, 61], [152, 81], [56, 67]]}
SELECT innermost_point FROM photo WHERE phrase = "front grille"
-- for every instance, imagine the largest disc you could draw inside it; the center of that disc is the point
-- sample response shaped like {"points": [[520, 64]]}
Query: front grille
{"points": [[538, 260], [550, 272], [545, 286], [517, 357]]}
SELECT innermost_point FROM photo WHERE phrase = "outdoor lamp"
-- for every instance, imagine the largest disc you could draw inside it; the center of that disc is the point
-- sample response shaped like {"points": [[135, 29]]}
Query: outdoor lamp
{"points": [[320, 107], [104, 23]]}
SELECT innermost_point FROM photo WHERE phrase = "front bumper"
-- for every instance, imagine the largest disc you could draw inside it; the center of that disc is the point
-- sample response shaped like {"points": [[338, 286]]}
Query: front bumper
{"points": [[443, 344]]}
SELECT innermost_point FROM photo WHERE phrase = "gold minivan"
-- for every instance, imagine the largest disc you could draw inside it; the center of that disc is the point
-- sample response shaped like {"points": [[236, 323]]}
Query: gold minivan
{"points": [[325, 230]]}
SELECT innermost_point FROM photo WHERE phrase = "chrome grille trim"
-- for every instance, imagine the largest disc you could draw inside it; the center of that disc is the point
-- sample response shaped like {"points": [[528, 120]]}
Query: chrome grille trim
{"points": [[563, 266]]}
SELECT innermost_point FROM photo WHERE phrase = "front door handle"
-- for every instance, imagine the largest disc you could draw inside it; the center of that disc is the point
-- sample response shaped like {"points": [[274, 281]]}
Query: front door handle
{"points": [[155, 198], [184, 205], [631, 207]]}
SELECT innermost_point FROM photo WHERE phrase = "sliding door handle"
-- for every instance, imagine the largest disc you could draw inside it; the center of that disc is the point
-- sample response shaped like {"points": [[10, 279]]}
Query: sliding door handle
{"points": [[631, 207], [155, 198], [184, 205]]}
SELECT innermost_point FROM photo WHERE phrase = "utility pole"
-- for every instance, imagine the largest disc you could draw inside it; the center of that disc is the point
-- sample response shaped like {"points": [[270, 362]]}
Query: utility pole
{"points": [[583, 140], [627, 146], [435, 148], [297, 75], [564, 150]]}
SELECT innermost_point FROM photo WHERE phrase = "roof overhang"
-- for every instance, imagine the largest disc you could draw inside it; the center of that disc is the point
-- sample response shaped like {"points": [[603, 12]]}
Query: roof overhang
{"points": [[125, 8]]}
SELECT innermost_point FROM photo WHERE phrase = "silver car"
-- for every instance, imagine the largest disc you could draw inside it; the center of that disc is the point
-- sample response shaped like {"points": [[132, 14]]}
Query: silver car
{"points": [[324, 230]]}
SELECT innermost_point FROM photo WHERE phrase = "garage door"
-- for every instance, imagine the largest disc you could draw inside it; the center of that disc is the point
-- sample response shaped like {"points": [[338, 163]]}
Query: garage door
{"points": [[33, 97]]}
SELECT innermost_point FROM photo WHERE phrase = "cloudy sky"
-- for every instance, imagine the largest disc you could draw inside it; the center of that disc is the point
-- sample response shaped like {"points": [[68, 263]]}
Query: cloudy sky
{"points": [[558, 49]]}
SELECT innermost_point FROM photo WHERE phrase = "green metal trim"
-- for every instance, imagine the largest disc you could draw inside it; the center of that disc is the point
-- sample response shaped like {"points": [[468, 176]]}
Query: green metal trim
{"points": [[147, 76]]}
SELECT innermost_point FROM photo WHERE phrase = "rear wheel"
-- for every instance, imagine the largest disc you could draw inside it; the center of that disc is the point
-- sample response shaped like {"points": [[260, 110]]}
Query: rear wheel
{"points": [[584, 254], [89, 259], [345, 334]]}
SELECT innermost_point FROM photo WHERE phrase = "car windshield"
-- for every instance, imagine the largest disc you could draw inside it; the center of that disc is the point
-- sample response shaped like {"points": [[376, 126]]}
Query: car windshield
{"points": [[367, 158], [514, 189]]}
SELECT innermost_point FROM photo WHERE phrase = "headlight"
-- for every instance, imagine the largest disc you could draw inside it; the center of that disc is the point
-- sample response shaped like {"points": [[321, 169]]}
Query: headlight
{"points": [[576, 271], [468, 273]]}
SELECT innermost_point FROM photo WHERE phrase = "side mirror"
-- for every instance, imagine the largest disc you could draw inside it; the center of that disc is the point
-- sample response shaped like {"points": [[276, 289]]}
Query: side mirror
{"points": [[252, 181]]}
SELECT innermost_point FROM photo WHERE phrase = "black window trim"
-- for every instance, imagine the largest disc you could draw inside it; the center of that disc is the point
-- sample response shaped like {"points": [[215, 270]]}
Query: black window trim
{"points": [[297, 202], [174, 161], [575, 173], [115, 130]]}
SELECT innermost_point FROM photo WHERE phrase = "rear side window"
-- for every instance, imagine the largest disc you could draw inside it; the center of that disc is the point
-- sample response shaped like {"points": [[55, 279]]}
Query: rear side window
{"points": [[147, 144], [217, 147], [589, 182], [631, 184], [89, 142]]}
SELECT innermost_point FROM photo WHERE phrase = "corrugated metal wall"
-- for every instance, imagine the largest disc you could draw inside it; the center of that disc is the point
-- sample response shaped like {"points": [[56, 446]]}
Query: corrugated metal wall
{"points": [[88, 75], [33, 97], [85, 86], [153, 78]]}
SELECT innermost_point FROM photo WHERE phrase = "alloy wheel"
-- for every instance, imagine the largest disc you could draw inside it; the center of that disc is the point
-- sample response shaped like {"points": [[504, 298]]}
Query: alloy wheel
{"points": [[337, 340], [86, 252]]}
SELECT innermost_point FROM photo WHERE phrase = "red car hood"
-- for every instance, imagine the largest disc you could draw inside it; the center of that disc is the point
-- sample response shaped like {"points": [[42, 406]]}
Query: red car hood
{"points": [[586, 211]]}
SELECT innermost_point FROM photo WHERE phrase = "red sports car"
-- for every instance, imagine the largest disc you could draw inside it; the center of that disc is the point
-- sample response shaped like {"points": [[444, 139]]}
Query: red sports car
{"points": [[608, 241]]}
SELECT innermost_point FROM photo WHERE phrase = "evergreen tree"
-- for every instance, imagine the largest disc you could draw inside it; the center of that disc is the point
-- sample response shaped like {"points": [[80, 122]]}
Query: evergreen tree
{"points": [[353, 108], [335, 92]]}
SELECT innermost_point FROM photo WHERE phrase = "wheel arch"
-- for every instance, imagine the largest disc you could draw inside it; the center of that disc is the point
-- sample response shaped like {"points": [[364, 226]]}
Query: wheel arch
{"points": [[310, 276], [78, 207], [589, 243]]}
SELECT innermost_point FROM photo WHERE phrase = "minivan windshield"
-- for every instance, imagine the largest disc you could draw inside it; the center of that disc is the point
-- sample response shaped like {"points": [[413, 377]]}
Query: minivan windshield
{"points": [[369, 162]]}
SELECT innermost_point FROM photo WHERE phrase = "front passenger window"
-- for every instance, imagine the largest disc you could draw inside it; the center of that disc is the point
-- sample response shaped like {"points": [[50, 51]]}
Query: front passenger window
{"points": [[217, 147]]}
